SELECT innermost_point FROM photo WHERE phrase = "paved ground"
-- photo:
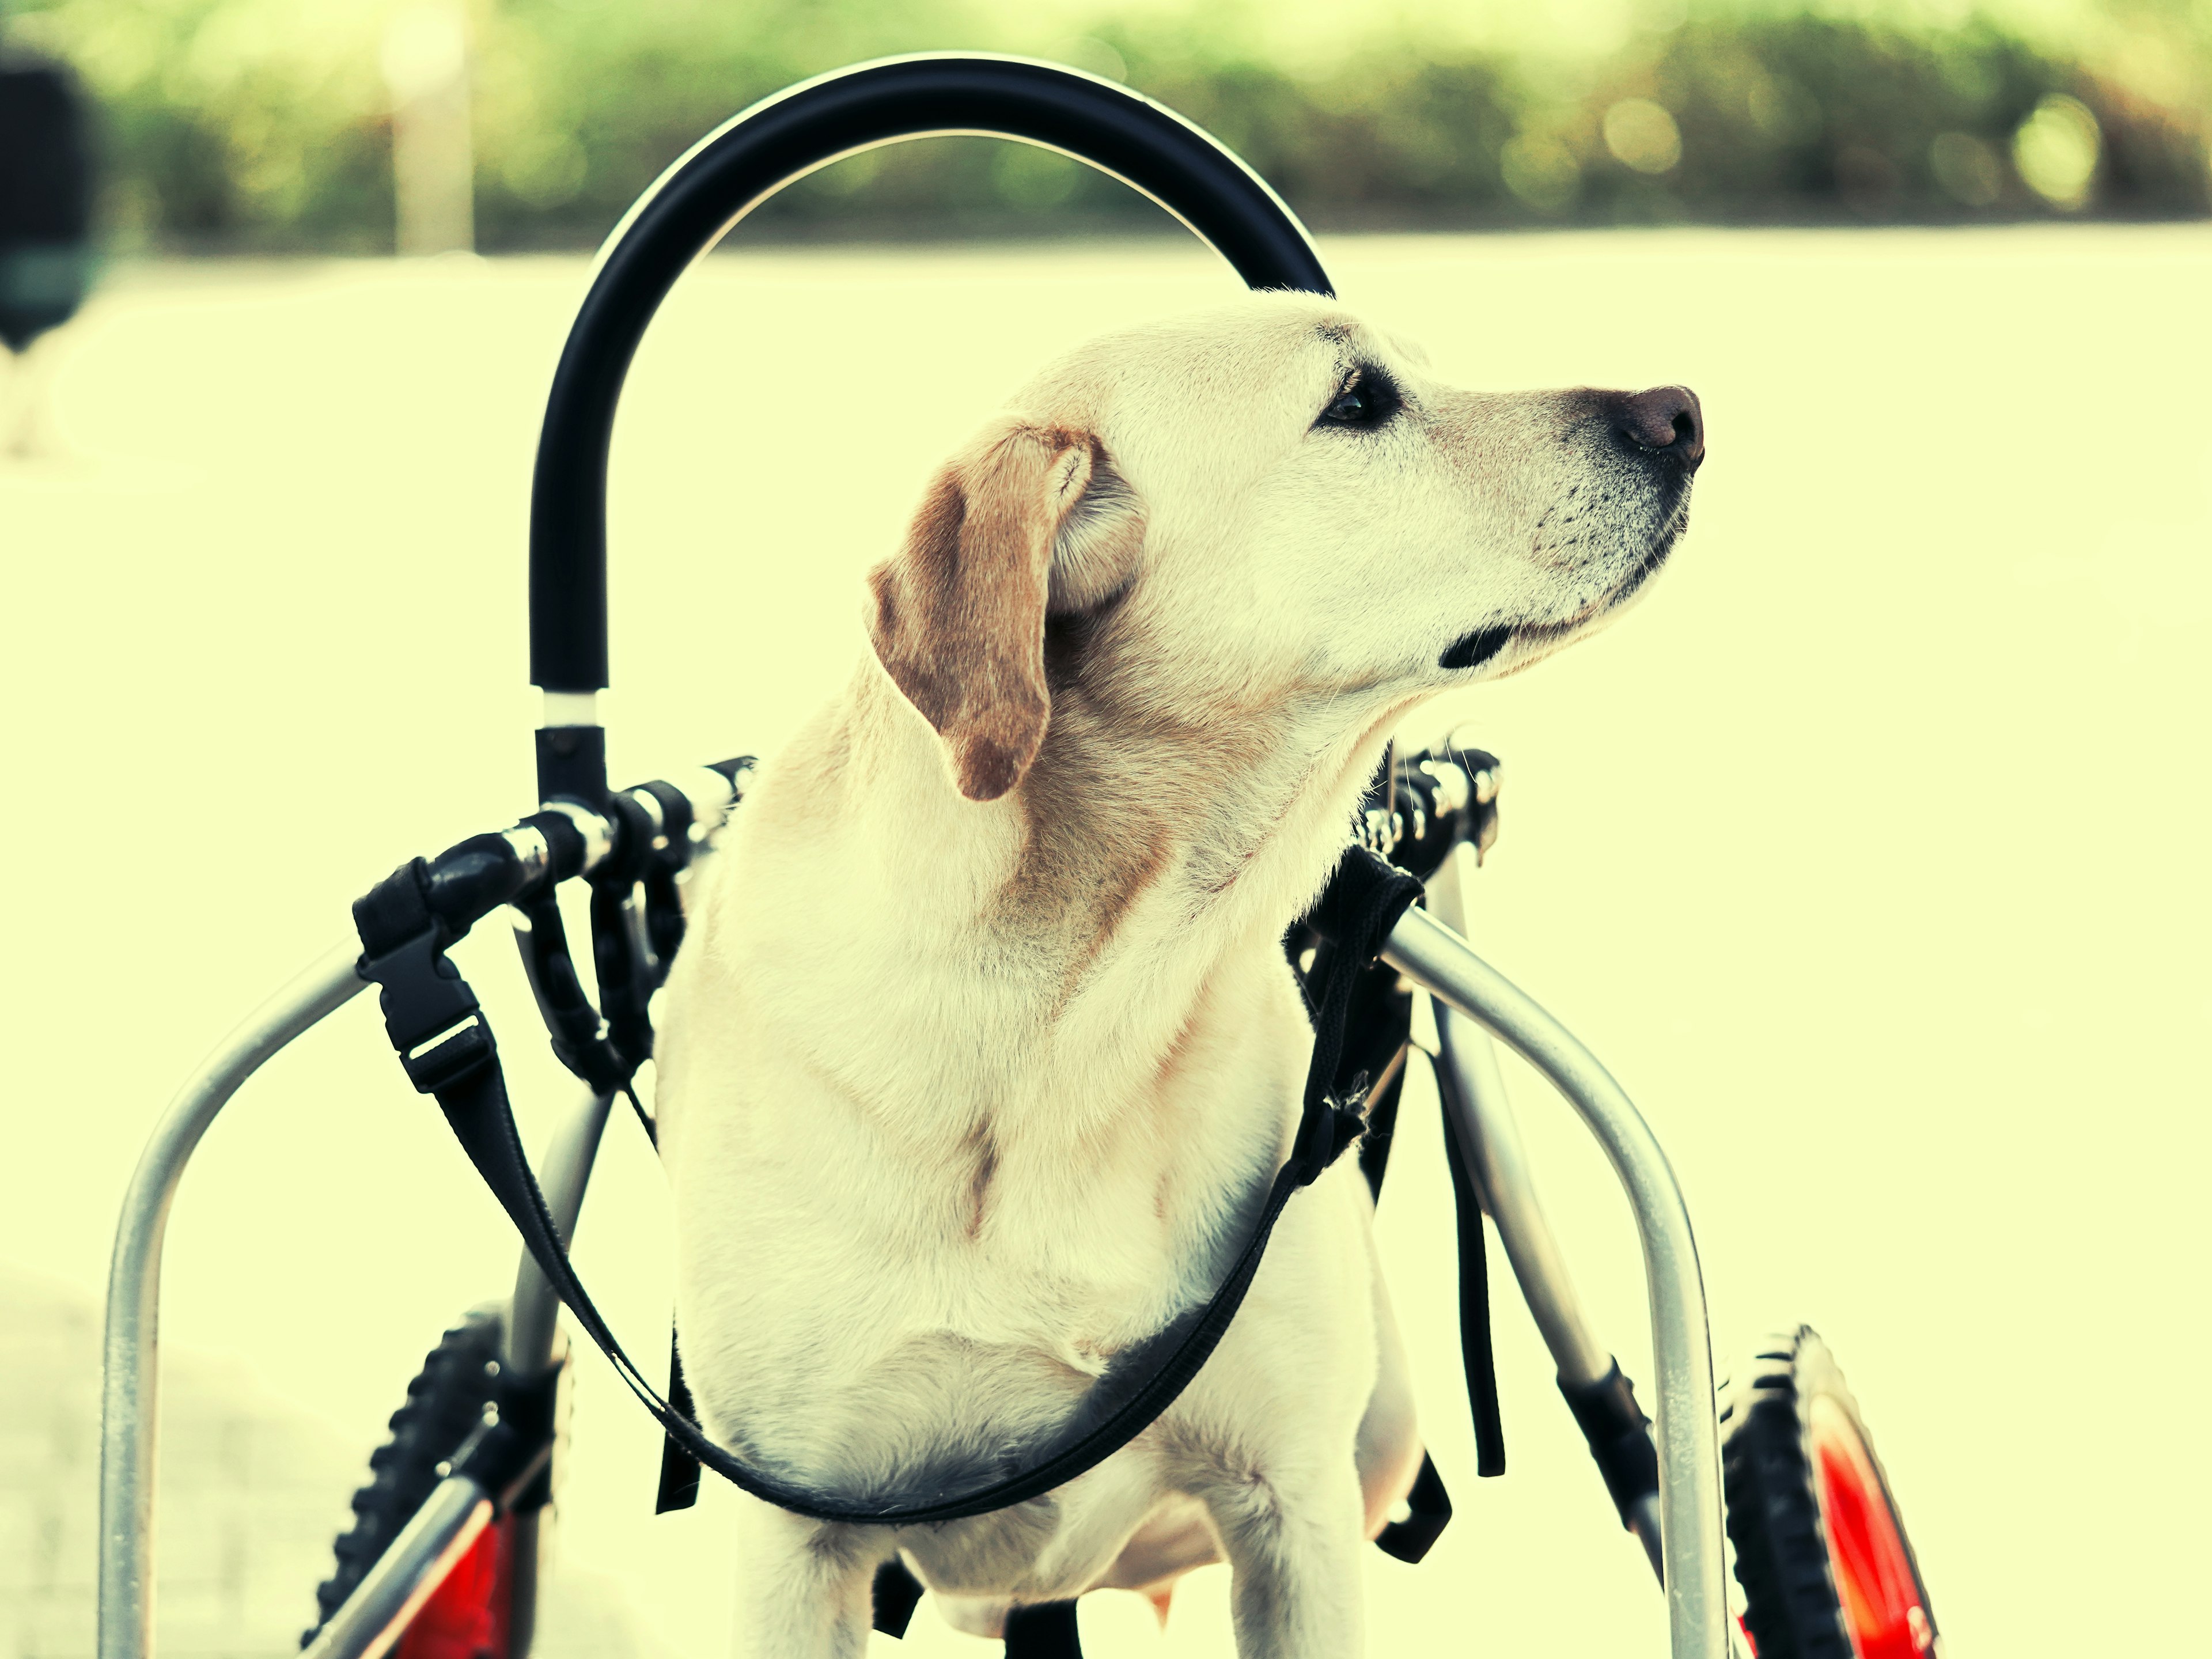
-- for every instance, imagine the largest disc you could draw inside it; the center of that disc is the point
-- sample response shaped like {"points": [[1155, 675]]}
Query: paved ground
{"points": [[1868, 854]]}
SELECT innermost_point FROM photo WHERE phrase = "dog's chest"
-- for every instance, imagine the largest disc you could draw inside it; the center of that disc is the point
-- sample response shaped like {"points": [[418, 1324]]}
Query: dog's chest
{"points": [[916, 1227], [886, 1336]]}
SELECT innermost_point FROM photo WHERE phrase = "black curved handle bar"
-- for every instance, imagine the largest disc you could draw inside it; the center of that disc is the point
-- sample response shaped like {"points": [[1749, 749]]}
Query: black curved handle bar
{"points": [[735, 169]]}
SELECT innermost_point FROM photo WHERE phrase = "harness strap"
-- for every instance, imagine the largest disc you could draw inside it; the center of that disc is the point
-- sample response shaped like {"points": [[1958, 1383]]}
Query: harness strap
{"points": [[446, 1045], [679, 1470], [1475, 1355], [1377, 1043]]}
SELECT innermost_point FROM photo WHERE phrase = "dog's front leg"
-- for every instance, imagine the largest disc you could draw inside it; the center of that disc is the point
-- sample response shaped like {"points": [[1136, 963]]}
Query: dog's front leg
{"points": [[803, 1586], [1292, 1535]]}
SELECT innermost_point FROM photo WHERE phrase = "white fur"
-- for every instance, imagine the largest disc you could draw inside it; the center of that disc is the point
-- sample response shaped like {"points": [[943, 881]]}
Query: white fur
{"points": [[942, 1139]]}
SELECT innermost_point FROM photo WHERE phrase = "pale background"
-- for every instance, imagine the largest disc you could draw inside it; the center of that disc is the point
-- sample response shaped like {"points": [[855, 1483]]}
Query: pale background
{"points": [[1864, 853]]}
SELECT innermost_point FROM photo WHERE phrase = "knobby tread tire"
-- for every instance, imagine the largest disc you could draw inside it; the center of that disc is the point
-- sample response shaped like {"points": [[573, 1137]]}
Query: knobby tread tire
{"points": [[1773, 1507], [445, 1400]]}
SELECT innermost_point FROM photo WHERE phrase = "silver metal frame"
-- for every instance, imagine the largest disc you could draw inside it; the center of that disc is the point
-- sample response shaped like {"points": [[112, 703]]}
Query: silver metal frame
{"points": [[1439, 961], [130, 1375], [393, 1591], [1422, 948], [1471, 1089], [565, 1170], [130, 1355], [533, 1325], [412, 1568], [1468, 1079]]}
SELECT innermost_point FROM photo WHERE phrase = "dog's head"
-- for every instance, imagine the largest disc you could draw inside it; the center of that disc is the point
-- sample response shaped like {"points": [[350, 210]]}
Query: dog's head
{"points": [[1268, 506]]}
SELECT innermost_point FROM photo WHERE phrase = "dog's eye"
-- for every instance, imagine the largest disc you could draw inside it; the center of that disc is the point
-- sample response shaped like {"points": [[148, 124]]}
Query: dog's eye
{"points": [[1351, 406], [1365, 401]]}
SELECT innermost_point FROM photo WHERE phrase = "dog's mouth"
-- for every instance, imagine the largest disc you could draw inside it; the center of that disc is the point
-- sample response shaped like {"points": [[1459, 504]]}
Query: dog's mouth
{"points": [[1474, 650], [1481, 645]]}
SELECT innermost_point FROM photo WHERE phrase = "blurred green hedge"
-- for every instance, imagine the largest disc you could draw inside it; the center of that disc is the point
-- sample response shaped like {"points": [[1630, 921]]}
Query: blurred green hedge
{"points": [[263, 123]]}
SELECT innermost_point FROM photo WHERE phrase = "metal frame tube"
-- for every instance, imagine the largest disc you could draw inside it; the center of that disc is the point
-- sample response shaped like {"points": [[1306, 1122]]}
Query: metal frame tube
{"points": [[1473, 1091], [535, 1311], [534, 1321], [405, 1575], [533, 1316], [1421, 947], [130, 1376], [1441, 963]]}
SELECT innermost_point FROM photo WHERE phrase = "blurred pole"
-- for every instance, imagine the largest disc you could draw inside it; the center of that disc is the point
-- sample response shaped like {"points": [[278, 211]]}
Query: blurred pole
{"points": [[426, 65]]}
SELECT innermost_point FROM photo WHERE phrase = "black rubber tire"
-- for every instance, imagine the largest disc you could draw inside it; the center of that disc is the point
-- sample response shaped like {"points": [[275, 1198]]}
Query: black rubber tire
{"points": [[1782, 1554], [444, 1402]]}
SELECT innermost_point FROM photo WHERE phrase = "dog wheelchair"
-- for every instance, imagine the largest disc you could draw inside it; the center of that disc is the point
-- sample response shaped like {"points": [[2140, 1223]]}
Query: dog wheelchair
{"points": [[443, 1556]]}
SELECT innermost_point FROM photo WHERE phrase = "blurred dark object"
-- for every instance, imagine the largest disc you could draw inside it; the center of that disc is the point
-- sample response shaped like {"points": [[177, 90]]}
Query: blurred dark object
{"points": [[45, 200]]}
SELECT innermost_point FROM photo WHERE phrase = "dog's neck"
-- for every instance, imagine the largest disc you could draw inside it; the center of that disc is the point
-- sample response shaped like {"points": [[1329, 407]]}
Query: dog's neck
{"points": [[1077, 922], [1211, 828]]}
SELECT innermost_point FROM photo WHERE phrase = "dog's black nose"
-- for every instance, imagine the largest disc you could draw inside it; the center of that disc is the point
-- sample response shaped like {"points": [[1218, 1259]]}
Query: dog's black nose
{"points": [[1665, 420]]}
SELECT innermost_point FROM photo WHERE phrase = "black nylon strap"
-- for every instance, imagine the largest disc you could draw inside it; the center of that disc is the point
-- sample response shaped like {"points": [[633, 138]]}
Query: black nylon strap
{"points": [[1043, 1630], [896, 1594], [1475, 1309], [476, 1107], [1366, 900], [1366, 886], [1619, 1437], [1358, 910], [1428, 1512], [679, 1470]]}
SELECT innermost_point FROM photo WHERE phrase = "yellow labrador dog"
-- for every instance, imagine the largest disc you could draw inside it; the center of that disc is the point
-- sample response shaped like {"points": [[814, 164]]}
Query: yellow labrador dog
{"points": [[982, 1050]]}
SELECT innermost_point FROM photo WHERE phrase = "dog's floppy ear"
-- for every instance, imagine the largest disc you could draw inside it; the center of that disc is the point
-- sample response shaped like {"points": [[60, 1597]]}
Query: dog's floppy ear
{"points": [[1031, 519]]}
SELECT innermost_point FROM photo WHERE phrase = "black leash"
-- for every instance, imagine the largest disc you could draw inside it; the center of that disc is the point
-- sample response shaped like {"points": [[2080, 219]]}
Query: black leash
{"points": [[446, 1044]]}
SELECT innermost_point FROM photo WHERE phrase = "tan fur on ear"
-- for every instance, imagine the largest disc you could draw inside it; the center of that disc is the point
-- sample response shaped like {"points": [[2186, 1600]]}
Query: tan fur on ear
{"points": [[959, 613]]}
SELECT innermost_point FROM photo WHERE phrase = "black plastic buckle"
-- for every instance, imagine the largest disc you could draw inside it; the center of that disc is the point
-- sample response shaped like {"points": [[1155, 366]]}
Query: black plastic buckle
{"points": [[430, 1014]]}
